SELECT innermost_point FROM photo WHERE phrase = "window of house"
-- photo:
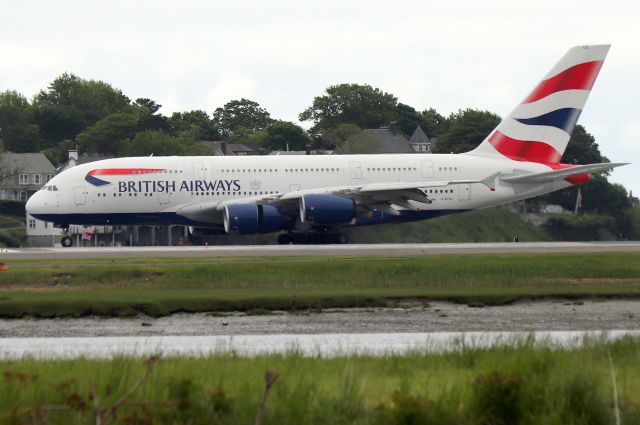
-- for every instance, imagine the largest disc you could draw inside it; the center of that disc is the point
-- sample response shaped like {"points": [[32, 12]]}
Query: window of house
{"points": [[37, 178], [32, 223], [23, 179], [46, 224], [49, 177]]}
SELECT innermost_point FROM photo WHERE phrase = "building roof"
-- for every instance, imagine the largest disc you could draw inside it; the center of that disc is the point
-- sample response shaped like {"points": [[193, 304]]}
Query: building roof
{"points": [[214, 145], [83, 159], [419, 136], [227, 148], [28, 163], [392, 142], [92, 157]]}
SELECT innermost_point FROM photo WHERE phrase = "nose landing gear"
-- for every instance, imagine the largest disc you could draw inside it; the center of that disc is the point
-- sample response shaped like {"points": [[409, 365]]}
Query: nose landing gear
{"points": [[66, 241]]}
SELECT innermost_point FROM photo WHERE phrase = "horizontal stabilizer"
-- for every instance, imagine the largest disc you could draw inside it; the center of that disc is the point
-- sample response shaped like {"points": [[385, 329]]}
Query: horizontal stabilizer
{"points": [[548, 176]]}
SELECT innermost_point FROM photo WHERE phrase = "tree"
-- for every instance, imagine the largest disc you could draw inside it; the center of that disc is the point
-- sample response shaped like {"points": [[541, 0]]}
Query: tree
{"points": [[598, 194], [71, 104], [18, 131], [196, 123], [159, 143], [407, 118], [582, 148], [59, 153], [107, 135], [466, 130], [240, 117], [362, 105], [283, 135], [149, 119], [350, 139], [433, 124]]}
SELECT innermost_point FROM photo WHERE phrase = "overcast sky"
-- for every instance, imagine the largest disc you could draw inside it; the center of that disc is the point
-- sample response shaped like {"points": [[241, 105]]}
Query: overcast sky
{"points": [[448, 55]]}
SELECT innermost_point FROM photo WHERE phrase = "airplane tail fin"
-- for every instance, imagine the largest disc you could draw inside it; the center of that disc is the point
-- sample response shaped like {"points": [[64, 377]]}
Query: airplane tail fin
{"points": [[539, 128]]}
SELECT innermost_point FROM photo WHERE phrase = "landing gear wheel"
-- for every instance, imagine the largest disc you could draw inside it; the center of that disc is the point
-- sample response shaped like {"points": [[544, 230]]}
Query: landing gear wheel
{"points": [[66, 241]]}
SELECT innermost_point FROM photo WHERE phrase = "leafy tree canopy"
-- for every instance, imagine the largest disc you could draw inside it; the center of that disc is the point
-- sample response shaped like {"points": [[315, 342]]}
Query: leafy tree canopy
{"points": [[18, 131], [582, 148], [196, 123], [362, 105], [350, 139], [71, 104], [159, 143], [281, 135], [107, 135], [466, 130], [149, 118], [240, 116], [433, 124], [407, 119]]}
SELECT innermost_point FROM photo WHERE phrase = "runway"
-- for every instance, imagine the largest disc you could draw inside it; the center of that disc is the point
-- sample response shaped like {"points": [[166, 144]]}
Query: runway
{"points": [[355, 250]]}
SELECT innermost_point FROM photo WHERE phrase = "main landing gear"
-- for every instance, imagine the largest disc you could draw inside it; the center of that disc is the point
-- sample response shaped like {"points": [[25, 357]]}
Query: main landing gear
{"points": [[312, 238]]}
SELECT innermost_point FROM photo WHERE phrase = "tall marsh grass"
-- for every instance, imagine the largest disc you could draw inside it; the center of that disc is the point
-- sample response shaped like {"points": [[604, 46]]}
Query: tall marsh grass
{"points": [[523, 384]]}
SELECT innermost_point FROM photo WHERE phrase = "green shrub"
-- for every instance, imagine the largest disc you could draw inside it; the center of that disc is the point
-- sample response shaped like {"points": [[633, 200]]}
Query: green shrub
{"points": [[497, 399], [14, 208]]}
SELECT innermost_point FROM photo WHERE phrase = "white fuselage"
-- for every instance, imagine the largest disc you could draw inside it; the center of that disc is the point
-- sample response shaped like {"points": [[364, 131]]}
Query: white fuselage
{"points": [[189, 182]]}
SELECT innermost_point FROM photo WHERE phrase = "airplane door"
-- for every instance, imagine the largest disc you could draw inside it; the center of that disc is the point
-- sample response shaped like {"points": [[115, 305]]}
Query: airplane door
{"points": [[465, 192], [80, 196], [356, 169], [198, 170], [164, 198], [427, 168]]}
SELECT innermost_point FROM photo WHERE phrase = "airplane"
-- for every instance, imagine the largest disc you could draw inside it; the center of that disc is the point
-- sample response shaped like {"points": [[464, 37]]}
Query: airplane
{"points": [[311, 198]]}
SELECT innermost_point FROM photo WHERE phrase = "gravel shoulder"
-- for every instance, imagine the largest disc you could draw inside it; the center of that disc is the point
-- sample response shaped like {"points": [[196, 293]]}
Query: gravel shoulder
{"points": [[436, 317]]}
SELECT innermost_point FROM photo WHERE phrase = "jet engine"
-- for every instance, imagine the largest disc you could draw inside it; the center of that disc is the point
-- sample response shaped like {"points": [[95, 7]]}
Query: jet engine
{"points": [[253, 218], [327, 209]]}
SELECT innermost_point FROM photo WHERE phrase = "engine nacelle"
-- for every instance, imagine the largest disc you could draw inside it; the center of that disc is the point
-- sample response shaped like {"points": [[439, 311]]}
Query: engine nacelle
{"points": [[205, 231], [327, 209], [252, 218]]}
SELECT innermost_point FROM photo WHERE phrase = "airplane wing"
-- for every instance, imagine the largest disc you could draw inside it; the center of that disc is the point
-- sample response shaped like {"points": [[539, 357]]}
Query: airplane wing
{"points": [[547, 176], [381, 196]]}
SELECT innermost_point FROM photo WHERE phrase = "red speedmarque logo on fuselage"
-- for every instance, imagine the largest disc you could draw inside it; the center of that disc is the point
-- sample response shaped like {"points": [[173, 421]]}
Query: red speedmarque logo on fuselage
{"points": [[116, 172]]}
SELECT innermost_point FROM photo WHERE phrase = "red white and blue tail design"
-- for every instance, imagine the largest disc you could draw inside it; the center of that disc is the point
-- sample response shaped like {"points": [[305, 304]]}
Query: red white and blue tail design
{"points": [[539, 128]]}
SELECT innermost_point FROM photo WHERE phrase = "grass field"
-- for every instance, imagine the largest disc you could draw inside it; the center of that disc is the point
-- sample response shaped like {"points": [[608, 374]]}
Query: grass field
{"points": [[486, 225], [163, 286], [522, 384]]}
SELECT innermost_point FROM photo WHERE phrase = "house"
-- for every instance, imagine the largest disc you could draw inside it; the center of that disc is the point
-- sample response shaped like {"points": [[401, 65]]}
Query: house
{"points": [[23, 175], [392, 141], [221, 148], [420, 142], [74, 160]]}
